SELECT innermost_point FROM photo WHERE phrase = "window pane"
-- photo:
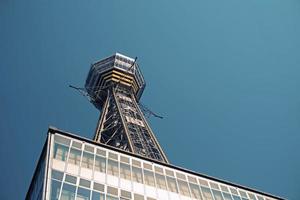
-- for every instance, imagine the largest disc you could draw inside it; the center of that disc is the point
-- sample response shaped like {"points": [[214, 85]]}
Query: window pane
{"points": [[108, 197], [97, 196], [206, 193], [57, 175], [83, 194], [195, 191], [87, 160], [217, 195], [183, 188], [74, 157], [113, 168], [71, 179], [160, 181], [252, 196], [55, 189], [125, 171], [149, 178], [227, 196], [137, 175], [100, 164], [60, 152], [68, 192], [85, 183], [236, 197], [172, 184]]}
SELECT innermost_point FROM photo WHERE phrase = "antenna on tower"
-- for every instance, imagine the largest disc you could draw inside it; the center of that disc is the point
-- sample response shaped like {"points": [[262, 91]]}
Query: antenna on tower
{"points": [[148, 111], [144, 109], [83, 92]]}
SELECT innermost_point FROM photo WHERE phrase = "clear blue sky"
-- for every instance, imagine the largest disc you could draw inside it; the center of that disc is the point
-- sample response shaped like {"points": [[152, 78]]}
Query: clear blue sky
{"points": [[224, 74]]}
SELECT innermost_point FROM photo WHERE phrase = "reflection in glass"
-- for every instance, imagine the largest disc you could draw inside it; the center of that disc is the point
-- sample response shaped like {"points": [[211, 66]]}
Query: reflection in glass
{"points": [[97, 196], [227, 196], [195, 191], [149, 178], [206, 193], [74, 157], [71, 179], [55, 189], [87, 160], [183, 188], [60, 152], [108, 197], [57, 175], [236, 197], [113, 168], [160, 181], [68, 192], [125, 171], [83, 194], [217, 194], [137, 175], [172, 184], [100, 164]]}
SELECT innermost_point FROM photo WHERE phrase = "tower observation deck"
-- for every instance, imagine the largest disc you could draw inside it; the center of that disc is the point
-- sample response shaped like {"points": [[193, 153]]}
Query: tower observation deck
{"points": [[115, 85]]}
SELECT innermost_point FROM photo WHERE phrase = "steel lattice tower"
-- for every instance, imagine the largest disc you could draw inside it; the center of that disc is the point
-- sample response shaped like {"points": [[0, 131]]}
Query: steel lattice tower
{"points": [[115, 85]]}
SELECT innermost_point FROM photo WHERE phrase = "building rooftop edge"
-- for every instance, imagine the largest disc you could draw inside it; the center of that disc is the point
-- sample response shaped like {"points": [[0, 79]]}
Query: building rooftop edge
{"points": [[53, 130]]}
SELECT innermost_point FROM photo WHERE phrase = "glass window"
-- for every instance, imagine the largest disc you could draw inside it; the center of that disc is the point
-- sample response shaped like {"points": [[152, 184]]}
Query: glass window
{"points": [[84, 183], [57, 175], [71, 179], [206, 193], [260, 198], [227, 196], [113, 168], [196, 194], [137, 175], [83, 194], [98, 187], [234, 191], [138, 197], [251, 196], [183, 188], [112, 190], [172, 184], [125, 171], [108, 197], [149, 178], [77, 144], [97, 196], [60, 152], [101, 152], [87, 160], [100, 164], [68, 192], [160, 181], [55, 189], [74, 157], [236, 197], [62, 140], [125, 194], [217, 194]]}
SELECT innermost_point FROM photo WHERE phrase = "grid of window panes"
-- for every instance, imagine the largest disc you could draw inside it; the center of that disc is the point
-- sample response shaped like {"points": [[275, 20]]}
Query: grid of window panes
{"points": [[85, 171]]}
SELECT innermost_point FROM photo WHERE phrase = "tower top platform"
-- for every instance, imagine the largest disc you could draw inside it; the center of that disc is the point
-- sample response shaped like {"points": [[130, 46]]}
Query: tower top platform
{"points": [[115, 70]]}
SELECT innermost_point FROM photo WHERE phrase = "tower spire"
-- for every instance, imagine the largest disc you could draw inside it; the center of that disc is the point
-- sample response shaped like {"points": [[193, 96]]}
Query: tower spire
{"points": [[115, 85]]}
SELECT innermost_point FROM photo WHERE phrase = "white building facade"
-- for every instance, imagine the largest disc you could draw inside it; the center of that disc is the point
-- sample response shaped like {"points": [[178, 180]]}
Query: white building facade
{"points": [[71, 167]]}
